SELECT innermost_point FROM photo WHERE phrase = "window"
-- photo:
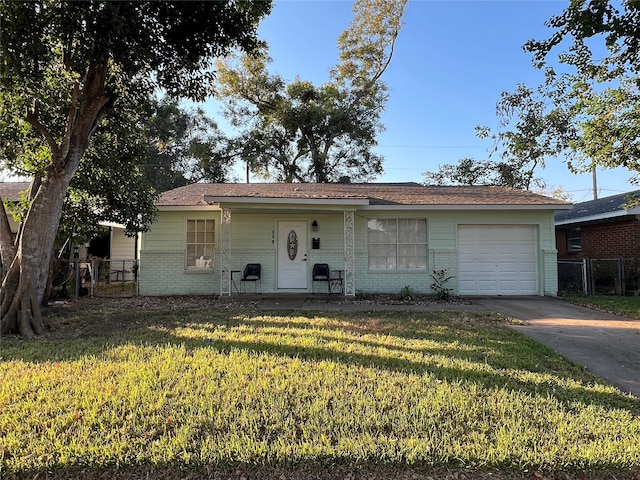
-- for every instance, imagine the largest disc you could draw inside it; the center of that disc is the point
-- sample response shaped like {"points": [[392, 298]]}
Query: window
{"points": [[574, 239], [397, 243], [200, 243]]}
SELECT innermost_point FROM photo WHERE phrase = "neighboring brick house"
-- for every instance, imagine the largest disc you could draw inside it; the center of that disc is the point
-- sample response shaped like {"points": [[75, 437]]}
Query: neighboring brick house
{"points": [[601, 228]]}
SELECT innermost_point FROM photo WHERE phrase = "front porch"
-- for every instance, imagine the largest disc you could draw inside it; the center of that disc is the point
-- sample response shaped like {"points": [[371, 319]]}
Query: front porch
{"points": [[286, 243]]}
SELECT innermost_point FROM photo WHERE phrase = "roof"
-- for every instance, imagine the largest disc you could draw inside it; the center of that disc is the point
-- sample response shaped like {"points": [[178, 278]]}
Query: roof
{"points": [[12, 190], [599, 209], [370, 194]]}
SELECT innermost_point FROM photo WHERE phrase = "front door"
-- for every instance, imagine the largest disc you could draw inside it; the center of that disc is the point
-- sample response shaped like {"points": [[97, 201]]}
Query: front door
{"points": [[292, 254]]}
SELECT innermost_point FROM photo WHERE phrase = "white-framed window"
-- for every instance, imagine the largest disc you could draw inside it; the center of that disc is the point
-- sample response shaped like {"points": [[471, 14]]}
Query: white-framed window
{"points": [[574, 239], [200, 243], [397, 243]]}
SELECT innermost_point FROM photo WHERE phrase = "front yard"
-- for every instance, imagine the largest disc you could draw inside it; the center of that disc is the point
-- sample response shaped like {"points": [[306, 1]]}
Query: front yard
{"points": [[231, 393]]}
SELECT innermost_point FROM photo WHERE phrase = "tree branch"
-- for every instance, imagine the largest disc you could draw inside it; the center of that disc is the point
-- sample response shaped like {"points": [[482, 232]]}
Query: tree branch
{"points": [[71, 120], [32, 118]]}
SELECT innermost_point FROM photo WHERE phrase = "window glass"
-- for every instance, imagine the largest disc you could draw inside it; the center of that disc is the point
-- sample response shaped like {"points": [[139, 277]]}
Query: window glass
{"points": [[397, 243], [574, 239], [200, 243]]}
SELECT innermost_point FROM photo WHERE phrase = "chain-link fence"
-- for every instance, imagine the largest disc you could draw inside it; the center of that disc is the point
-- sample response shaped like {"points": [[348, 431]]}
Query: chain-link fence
{"points": [[572, 277], [96, 277], [612, 276], [598, 276], [112, 278]]}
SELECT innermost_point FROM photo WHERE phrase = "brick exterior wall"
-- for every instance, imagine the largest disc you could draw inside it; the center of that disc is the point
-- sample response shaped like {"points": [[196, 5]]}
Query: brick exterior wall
{"points": [[603, 240]]}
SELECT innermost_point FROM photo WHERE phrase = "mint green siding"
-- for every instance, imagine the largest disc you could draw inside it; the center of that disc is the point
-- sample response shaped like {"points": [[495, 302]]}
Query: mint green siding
{"points": [[163, 258], [254, 239]]}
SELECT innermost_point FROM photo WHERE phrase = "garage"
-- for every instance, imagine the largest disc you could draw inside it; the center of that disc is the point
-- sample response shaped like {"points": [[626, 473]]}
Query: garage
{"points": [[498, 260]]}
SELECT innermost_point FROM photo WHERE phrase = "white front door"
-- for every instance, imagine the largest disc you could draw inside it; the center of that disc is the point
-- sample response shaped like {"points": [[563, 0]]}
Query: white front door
{"points": [[292, 254]]}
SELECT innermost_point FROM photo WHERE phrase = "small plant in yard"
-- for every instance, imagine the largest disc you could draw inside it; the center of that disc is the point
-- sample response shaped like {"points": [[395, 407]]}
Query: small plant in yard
{"points": [[406, 293], [363, 295], [440, 280]]}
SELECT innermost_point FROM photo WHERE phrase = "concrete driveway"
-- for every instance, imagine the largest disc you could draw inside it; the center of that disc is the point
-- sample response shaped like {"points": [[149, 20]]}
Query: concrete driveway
{"points": [[608, 345]]}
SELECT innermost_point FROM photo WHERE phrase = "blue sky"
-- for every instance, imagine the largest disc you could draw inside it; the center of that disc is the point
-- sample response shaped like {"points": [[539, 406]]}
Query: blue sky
{"points": [[452, 61]]}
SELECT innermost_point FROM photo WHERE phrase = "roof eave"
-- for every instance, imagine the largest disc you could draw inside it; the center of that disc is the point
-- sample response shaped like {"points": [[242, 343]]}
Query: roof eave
{"points": [[601, 216], [188, 208], [517, 206], [286, 201]]}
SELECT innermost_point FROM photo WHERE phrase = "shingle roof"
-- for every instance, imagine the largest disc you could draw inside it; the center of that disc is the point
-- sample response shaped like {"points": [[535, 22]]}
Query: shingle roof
{"points": [[11, 190], [376, 194], [599, 207]]}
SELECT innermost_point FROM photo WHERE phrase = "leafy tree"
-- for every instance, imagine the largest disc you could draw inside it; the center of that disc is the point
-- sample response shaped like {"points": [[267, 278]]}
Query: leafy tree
{"points": [[184, 147], [65, 67], [531, 129], [469, 171], [609, 126], [582, 22], [529, 133], [600, 94], [300, 132], [588, 113]]}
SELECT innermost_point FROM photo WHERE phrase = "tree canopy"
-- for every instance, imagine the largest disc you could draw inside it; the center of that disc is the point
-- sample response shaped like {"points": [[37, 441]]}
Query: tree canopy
{"points": [[529, 133], [587, 110], [608, 29], [601, 92], [184, 146], [300, 132], [65, 67]]}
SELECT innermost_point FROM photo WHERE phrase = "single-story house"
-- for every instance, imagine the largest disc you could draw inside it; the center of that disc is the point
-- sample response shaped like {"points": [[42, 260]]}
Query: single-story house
{"points": [[112, 244], [602, 228], [376, 237]]}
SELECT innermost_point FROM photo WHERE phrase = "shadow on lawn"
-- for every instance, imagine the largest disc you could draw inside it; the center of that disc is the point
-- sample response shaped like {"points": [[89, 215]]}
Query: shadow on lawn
{"points": [[489, 355]]}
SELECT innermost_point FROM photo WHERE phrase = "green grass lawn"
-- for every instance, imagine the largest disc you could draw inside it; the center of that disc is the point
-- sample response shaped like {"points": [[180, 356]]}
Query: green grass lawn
{"points": [[627, 306], [183, 393]]}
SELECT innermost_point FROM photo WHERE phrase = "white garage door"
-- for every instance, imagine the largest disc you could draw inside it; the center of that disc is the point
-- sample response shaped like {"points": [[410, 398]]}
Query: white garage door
{"points": [[498, 260]]}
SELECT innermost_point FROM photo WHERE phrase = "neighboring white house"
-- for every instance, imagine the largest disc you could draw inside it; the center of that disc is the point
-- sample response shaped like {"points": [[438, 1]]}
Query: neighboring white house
{"points": [[376, 238], [113, 244]]}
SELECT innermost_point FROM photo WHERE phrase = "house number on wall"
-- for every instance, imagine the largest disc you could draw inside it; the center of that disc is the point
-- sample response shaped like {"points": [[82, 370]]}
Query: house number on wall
{"points": [[292, 245]]}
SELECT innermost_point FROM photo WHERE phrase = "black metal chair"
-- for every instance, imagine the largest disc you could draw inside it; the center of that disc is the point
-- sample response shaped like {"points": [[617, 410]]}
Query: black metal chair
{"points": [[251, 274], [321, 273]]}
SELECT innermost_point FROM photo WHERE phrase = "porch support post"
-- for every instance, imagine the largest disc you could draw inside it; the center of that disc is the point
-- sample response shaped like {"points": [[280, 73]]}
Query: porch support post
{"points": [[349, 254], [225, 253]]}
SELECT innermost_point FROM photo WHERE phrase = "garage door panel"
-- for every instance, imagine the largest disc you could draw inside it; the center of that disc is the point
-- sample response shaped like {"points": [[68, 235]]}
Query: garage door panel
{"points": [[486, 267], [514, 287], [497, 260], [507, 268], [467, 284], [491, 250], [527, 268]]}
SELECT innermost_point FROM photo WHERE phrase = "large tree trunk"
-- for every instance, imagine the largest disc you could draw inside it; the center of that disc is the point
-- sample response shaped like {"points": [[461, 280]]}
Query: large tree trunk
{"points": [[7, 248], [24, 284]]}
